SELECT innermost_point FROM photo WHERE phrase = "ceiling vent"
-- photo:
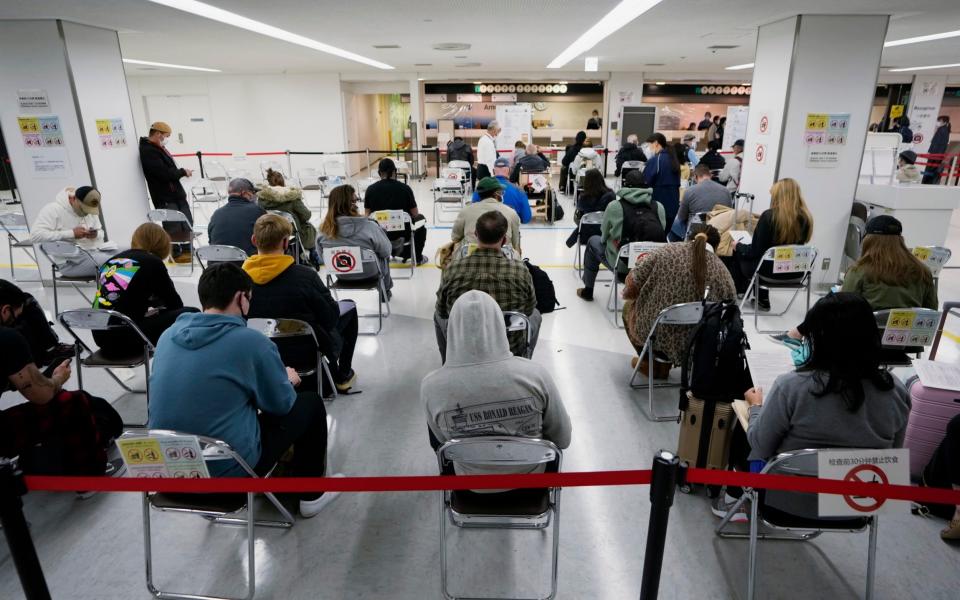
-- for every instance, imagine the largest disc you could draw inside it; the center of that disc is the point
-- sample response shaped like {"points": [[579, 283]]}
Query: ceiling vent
{"points": [[654, 64], [451, 46], [148, 68], [423, 64], [386, 46], [721, 47], [467, 65]]}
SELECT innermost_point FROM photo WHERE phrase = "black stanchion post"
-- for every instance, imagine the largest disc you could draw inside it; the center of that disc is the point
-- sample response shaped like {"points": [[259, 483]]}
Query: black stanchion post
{"points": [[200, 160], [666, 469], [438, 160], [17, 533]]}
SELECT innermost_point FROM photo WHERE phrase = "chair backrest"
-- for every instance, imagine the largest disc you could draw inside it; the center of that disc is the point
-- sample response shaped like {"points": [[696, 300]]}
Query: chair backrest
{"points": [[203, 187], [346, 260], [402, 166], [215, 171], [309, 179], [483, 452], [100, 319], [935, 257], [392, 220], [459, 164], [59, 252], [448, 184], [272, 164], [220, 253], [914, 327], [466, 250], [288, 217], [161, 453], [854, 240], [451, 173], [241, 174], [687, 313], [630, 165], [791, 258], [168, 215], [535, 179], [289, 335], [363, 184], [636, 250], [14, 219], [592, 218], [334, 168], [799, 463]]}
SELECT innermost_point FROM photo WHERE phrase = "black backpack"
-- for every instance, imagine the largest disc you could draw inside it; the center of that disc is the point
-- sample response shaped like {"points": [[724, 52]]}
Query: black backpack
{"points": [[715, 365], [641, 223], [543, 287]]}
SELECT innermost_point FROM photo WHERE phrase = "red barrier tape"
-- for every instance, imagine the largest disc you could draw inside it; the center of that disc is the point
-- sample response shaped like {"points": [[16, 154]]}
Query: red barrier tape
{"points": [[424, 483]]}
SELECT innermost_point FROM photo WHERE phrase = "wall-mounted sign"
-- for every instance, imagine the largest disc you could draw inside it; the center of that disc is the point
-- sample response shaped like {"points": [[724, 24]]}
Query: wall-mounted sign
{"points": [[33, 99], [469, 98], [434, 97], [111, 133], [503, 98]]}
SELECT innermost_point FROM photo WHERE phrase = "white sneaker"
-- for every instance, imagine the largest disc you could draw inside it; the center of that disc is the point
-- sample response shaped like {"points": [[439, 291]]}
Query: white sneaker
{"points": [[311, 508], [722, 504]]}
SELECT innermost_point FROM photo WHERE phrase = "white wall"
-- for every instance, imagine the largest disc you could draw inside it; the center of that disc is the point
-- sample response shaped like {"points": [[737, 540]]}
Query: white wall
{"points": [[617, 84], [258, 113]]}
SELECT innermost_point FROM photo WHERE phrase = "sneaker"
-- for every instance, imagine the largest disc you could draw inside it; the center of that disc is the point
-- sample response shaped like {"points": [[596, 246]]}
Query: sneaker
{"points": [[311, 508], [585, 294], [347, 383], [786, 340], [722, 504], [422, 260]]}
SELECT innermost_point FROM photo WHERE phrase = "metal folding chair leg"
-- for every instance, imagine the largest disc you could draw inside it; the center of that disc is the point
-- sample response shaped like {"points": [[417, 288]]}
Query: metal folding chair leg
{"points": [[649, 411]]}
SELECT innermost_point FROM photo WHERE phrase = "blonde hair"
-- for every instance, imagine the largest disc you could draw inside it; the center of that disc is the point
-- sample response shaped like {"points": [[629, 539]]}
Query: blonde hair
{"points": [[340, 204], [701, 234], [151, 238], [790, 213], [270, 230], [886, 259]]}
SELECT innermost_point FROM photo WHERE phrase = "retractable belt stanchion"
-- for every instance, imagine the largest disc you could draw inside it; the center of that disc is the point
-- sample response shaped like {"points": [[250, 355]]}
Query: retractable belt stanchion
{"points": [[17, 533], [438, 161], [200, 161], [666, 471]]}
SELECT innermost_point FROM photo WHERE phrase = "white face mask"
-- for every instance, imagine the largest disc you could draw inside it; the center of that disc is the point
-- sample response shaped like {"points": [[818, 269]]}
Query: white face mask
{"points": [[941, 123], [647, 151], [165, 141]]}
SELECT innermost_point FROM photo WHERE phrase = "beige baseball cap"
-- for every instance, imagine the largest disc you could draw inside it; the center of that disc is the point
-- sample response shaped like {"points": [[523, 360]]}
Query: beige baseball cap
{"points": [[161, 127], [89, 200]]}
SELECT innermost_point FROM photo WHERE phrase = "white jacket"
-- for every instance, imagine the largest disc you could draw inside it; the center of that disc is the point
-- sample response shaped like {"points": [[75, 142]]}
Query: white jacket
{"points": [[730, 174], [584, 155], [487, 151], [55, 222]]}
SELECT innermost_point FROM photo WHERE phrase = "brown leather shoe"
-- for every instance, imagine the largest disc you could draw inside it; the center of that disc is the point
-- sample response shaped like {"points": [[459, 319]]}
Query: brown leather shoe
{"points": [[183, 258], [952, 532], [661, 370], [585, 294]]}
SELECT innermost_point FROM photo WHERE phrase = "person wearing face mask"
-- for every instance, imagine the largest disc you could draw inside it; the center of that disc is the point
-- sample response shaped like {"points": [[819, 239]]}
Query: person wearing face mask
{"points": [[938, 145], [163, 182], [232, 223], [249, 398], [662, 173], [73, 216], [690, 148], [629, 151]]}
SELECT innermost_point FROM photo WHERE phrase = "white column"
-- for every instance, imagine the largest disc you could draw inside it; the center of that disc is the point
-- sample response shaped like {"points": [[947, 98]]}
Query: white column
{"points": [[623, 89], [78, 69], [806, 67], [926, 96]]}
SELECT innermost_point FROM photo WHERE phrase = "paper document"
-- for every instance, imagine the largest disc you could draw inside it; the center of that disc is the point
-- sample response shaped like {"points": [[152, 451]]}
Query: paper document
{"points": [[108, 246], [939, 375], [743, 413], [740, 236]]}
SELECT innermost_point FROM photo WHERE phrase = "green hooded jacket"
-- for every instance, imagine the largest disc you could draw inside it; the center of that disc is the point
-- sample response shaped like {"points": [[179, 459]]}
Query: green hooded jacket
{"points": [[612, 225]]}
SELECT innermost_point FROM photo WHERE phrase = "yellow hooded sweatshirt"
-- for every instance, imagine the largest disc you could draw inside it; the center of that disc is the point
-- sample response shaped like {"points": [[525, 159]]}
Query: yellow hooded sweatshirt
{"points": [[263, 268]]}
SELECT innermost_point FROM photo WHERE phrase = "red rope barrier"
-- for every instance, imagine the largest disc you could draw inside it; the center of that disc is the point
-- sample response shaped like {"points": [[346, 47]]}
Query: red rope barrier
{"points": [[424, 483]]}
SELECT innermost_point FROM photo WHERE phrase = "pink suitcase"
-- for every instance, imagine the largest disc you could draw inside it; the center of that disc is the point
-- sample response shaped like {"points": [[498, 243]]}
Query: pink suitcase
{"points": [[931, 411]]}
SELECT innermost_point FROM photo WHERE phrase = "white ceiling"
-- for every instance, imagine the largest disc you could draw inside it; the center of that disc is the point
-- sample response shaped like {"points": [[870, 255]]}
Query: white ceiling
{"points": [[505, 35]]}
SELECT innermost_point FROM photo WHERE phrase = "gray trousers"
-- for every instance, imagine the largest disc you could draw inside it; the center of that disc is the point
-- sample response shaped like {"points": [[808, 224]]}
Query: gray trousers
{"points": [[593, 256], [440, 327]]}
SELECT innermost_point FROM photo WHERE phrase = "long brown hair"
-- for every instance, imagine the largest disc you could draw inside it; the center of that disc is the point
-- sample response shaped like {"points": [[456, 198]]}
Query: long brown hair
{"points": [[701, 234], [151, 238], [790, 213], [886, 259], [275, 178], [340, 204]]}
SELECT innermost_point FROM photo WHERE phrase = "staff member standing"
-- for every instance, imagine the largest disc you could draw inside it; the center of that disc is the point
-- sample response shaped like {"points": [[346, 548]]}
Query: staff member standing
{"points": [[487, 150], [163, 180]]}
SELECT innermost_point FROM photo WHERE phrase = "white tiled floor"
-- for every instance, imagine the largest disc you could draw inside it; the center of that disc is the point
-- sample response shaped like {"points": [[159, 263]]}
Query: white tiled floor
{"points": [[386, 545]]}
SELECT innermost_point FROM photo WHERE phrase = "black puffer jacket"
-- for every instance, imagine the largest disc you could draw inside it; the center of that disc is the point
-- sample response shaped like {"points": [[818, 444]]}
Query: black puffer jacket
{"points": [[459, 150], [628, 151]]}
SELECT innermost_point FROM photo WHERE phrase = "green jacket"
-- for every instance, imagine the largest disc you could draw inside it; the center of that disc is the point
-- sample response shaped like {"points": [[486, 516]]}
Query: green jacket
{"points": [[290, 200], [612, 225], [881, 296]]}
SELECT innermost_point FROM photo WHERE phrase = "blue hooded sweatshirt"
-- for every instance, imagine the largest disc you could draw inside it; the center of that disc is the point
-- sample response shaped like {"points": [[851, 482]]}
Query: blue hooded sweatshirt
{"points": [[210, 375]]}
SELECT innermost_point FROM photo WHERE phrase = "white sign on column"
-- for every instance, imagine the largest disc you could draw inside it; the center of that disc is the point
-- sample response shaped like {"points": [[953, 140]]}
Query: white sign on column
{"points": [[736, 128], [926, 96], [515, 124]]}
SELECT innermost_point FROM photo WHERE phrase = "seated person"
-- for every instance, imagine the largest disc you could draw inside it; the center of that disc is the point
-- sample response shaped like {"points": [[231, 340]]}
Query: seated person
{"points": [[481, 376], [519, 151], [488, 270], [533, 161], [214, 376], [713, 160], [45, 346], [786, 222], [699, 198], [513, 196], [136, 283], [490, 194], [586, 157], [907, 170], [457, 149], [277, 196], [56, 432], [673, 274], [284, 290], [74, 216], [344, 226], [391, 194], [629, 151], [594, 196], [569, 154], [943, 470], [634, 217], [232, 223], [838, 397]]}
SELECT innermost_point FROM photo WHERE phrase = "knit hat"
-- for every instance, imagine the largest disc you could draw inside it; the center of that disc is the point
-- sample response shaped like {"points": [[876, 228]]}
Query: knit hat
{"points": [[161, 127], [487, 184], [884, 225], [89, 199]]}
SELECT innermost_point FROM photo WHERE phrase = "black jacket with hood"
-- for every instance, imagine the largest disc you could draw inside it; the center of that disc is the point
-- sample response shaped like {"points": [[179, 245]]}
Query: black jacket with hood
{"points": [[459, 150], [628, 151]]}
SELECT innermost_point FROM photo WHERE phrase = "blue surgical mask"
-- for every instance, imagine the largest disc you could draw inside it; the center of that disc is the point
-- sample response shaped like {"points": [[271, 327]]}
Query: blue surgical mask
{"points": [[800, 353]]}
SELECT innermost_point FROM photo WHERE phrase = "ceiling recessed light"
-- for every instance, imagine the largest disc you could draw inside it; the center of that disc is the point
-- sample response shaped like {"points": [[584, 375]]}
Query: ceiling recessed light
{"points": [[132, 61], [740, 67], [419, 78], [230, 18], [621, 14], [922, 38], [386, 46], [900, 70], [423, 64], [477, 82], [661, 83], [591, 64]]}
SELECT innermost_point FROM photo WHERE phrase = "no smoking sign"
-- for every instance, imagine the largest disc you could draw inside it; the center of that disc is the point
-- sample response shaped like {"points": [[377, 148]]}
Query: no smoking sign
{"points": [[760, 154], [865, 474], [764, 124], [878, 467]]}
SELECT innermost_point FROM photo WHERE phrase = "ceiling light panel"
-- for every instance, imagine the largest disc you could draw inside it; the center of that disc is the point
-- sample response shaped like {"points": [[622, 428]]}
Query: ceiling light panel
{"points": [[740, 67], [902, 69], [922, 38], [207, 11], [621, 14], [133, 61]]}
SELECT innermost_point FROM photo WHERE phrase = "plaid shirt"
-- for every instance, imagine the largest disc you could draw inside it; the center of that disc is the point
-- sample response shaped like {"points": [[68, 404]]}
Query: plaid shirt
{"points": [[507, 281]]}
